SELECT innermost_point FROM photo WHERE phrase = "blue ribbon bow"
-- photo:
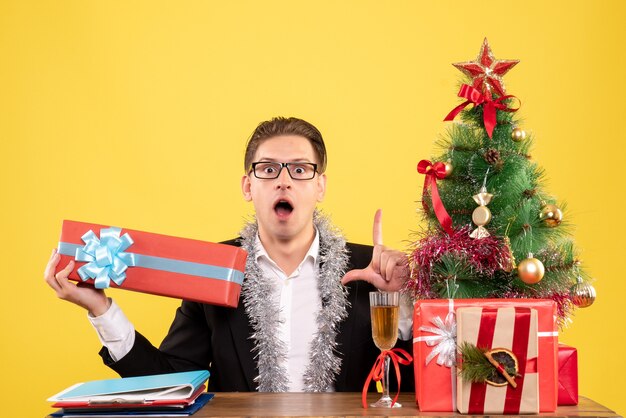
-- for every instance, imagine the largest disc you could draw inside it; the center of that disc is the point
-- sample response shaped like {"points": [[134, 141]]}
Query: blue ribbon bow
{"points": [[105, 257]]}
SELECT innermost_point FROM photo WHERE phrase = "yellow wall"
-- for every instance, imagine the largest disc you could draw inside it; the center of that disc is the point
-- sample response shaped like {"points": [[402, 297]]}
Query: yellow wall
{"points": [[135, 114]]}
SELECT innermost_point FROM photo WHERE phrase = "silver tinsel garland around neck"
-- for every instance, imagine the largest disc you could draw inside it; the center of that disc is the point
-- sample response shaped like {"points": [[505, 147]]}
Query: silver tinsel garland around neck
{"points": [[263, 312]]}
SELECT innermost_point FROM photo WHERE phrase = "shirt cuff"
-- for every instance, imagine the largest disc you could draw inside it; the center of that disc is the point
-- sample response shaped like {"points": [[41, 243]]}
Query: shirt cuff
{"points": [[114, 330], [405, 322]]}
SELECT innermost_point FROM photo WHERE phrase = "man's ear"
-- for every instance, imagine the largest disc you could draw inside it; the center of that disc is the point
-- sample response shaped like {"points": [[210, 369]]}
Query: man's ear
{"points": [[246, 188], [321, 187]]}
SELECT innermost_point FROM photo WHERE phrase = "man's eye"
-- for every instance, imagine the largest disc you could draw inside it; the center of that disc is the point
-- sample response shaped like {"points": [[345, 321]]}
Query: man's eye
{"points": [[299, 170], [269, 169]]}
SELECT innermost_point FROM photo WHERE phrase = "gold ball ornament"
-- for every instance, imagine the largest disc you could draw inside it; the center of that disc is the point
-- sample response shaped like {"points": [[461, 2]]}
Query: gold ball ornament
{"points": [[530, 270], [518, 134], [583, 294], [551, 215], [449, 168]]}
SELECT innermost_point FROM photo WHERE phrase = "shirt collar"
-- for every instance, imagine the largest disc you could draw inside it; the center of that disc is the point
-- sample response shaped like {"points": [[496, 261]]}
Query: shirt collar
{"points": [[312, 253]]}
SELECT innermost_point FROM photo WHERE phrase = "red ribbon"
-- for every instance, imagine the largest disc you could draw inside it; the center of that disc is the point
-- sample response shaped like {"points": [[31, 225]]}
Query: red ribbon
{"points": [[521, 335], [501, 369], [377, 371], [489, 106], [531, 365], [434, 172]]}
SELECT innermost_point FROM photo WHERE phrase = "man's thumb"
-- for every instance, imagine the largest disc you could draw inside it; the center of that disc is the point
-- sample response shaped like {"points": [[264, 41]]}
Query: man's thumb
{"points": [[366, 274]]}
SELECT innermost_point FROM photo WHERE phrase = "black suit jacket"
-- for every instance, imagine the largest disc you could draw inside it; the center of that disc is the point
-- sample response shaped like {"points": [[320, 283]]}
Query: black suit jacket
{"points": [[218, 339]]}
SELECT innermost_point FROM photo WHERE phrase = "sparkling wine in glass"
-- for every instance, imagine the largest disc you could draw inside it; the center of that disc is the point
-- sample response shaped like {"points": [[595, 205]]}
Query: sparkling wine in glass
{"points": [[384, 312]]}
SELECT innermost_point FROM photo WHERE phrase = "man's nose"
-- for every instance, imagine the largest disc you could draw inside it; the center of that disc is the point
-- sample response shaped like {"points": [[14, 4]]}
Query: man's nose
{"points": [[284, 180]]}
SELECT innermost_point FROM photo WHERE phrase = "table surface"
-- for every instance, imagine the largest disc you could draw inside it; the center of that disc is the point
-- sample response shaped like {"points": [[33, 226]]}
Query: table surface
{"points": [[245, 404]]}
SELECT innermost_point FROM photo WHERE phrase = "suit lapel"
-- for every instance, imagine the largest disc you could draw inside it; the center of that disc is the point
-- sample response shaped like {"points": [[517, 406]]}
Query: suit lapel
{"points": [[240, 331]]}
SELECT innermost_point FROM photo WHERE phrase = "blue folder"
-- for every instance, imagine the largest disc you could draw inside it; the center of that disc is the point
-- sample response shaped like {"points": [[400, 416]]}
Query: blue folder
{"points": [[135, 389]]}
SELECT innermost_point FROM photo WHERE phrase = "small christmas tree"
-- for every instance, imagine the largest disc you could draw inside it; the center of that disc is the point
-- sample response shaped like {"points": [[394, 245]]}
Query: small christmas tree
{"points": [[492, 229]]}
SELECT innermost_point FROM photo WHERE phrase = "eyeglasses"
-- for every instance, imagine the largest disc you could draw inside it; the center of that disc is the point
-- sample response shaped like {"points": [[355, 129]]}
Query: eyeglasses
{"points": [[271, 170]]}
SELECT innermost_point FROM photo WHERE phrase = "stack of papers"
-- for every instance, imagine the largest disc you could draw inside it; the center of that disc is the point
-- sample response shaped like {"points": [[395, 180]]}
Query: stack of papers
{"points": [[173, 394]]}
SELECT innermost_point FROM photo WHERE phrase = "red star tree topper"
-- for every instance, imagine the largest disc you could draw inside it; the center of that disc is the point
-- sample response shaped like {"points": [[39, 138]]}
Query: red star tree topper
{"points": [[486, 72]]}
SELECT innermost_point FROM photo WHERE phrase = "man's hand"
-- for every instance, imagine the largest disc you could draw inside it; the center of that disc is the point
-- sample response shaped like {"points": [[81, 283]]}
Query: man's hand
{"points": [[388, 269], [94, 300]]}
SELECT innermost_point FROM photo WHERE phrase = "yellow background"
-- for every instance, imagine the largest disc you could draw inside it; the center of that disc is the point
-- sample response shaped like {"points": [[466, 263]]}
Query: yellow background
{"points": [[135, 113]]}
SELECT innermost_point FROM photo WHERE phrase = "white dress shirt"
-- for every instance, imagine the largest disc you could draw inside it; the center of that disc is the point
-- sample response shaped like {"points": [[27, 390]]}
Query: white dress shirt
{"points": [[114, 330], [297, 295]]}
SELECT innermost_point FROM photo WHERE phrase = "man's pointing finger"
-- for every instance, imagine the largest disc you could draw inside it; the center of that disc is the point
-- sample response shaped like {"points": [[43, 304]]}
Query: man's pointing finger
{"points": [[378, 227]]}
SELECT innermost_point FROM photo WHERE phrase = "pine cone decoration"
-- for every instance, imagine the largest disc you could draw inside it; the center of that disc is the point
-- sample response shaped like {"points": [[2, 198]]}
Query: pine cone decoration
{"points": [[492, 156]]}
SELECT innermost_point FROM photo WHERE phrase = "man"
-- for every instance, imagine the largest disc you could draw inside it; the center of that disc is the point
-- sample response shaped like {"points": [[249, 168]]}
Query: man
{"points": [[300, 326]]}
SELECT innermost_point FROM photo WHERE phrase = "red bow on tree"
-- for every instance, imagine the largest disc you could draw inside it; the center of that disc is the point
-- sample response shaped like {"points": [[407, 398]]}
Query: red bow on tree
{"points": [[434, 172], [489, 106]]}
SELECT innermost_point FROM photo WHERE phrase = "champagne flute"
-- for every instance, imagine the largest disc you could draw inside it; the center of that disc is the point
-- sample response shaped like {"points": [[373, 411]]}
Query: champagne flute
{"points": [[384, 312]]}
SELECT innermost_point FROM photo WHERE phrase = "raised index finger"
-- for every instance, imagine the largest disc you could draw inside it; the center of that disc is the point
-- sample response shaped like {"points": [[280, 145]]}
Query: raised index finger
{"points": [[378, 227]]}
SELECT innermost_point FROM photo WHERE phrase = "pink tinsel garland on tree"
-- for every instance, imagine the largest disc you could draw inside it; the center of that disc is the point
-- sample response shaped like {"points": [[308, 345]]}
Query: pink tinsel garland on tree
{"points": [[485, 256]]}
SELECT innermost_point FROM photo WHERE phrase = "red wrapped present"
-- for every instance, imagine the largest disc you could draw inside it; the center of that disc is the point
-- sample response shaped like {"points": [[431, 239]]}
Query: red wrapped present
{"points": [[512, 335], [568, 375], [153, 263], [434, 350]]}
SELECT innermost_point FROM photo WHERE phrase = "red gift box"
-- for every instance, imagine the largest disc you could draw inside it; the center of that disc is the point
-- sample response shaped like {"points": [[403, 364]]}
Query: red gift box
{"points": [[514, 329], [434, 352], [153, 263], [568, 375]]}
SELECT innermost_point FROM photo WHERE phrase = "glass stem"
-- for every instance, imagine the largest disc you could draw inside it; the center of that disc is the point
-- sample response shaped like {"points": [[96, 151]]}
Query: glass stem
{"points": [[386, 377]]}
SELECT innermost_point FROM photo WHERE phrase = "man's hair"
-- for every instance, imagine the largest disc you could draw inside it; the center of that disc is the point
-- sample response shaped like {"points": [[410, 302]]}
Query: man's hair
{"points": [[280, 126]]}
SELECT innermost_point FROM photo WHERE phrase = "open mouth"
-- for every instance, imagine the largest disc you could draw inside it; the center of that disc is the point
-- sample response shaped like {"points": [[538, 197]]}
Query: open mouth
{"points": [[283, 208]]}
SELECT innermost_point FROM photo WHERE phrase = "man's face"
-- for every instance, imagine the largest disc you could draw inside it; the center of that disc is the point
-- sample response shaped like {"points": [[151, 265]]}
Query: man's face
{"points": [[284, 206]]}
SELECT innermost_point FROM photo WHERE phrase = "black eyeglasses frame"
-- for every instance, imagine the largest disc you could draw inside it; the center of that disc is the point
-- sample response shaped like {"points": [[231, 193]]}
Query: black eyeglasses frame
{"points": [[282, 165]]}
